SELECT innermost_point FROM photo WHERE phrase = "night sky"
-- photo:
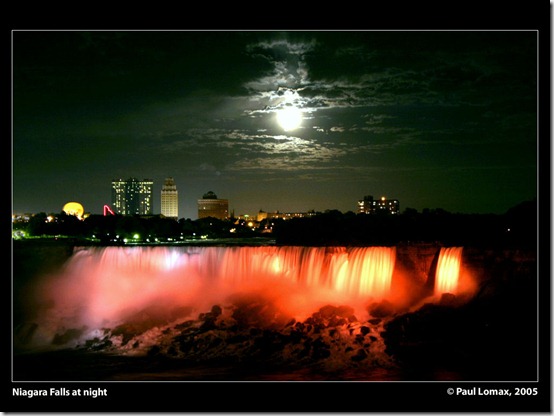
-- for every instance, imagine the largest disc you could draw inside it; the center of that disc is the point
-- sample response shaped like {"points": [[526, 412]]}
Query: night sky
{"points": [[435, 119]]}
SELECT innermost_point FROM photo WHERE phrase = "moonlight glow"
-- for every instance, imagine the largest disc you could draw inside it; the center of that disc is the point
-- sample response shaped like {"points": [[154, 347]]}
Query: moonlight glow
{"points": [[289, 118]]}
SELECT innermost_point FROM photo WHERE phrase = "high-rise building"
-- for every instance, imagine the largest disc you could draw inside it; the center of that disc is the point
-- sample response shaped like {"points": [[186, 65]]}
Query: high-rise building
{"points": [[211, 206], [368, 205], [132, 197], [170, 199]]}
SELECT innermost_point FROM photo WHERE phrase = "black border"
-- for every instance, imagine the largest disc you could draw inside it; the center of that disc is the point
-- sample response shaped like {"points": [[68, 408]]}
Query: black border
{"points": [[318, 397]]}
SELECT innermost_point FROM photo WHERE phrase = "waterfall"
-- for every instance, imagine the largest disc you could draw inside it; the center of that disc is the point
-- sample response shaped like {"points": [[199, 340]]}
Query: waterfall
{"points": [[448, 270], [103, 287], [365, 271], [103, 284]]}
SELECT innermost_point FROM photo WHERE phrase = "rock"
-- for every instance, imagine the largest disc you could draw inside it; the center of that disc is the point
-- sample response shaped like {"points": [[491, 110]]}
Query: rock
{"points": [[360, 355], [381, 309], [295, 336], [345, 311], [448, 299], [318, 328], [186, 324], [155, 350], [320, 349], [105, 343], [216, 310], [69, 335], [290, 323], [337, 321], [208, 325], [237, 339], [327, 312]]}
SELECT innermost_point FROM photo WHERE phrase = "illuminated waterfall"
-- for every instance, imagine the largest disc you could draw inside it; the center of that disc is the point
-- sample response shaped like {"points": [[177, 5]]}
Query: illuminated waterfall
{"points": [[364, 271], [103, 287], [106, 284], [448, 270]]}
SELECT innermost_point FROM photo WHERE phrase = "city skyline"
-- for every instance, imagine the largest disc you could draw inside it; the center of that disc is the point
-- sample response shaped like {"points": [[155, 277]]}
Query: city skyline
{"points": [[437, 119], [169, 198]]}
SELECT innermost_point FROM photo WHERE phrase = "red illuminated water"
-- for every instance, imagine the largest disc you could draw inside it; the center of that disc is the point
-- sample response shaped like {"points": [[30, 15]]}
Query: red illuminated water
{"points": [[448, 270], [286, 307], [103, 287]]}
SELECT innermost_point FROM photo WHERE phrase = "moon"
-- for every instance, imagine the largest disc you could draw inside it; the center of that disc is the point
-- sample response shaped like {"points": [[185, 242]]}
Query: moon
{"points": [[289, 118], [74, 208]]}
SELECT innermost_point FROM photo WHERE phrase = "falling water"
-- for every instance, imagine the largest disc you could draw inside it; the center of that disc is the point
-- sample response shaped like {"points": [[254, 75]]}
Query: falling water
{"points": [[286, 307], [448, 270], [102, 286], [365, 271]]}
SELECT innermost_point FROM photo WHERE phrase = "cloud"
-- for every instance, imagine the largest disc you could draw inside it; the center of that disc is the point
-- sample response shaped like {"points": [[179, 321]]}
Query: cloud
{"points": [[287, 59]]}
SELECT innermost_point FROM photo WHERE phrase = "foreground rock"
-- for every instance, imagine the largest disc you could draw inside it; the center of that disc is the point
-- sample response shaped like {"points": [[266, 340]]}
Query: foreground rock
{"points": [[252, 332]]}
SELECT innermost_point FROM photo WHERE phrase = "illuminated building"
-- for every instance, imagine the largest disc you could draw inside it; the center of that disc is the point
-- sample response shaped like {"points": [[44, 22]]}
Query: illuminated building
{"points": [[368, 205], [211, 206], [170, 199], [132, 197], [262, 215], [21, 217]]}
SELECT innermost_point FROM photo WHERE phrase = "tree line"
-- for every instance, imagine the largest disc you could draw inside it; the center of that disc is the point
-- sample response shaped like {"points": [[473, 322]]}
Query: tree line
{"points": [[517, 227]]}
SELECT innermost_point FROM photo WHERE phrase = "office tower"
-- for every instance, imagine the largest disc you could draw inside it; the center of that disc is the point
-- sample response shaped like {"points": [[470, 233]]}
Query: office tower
{"points": [[170, 199], [132, 197], [211, 206], [368, 205]]}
